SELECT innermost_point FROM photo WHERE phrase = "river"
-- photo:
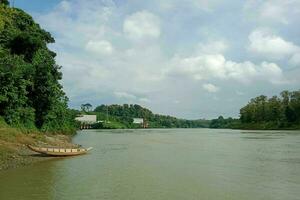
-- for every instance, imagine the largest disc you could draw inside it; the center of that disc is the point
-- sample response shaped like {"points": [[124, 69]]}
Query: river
{"points": [[166, 164]]}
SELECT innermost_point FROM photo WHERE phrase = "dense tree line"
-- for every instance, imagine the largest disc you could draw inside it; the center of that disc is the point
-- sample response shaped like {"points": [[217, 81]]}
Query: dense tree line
{"points": [[30, 93], [124, 114], [281, 112], [277, 112], [222, 122]]}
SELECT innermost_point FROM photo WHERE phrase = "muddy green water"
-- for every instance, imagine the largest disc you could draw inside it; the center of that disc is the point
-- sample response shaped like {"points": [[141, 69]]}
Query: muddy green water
{"points": [[175, 164]]}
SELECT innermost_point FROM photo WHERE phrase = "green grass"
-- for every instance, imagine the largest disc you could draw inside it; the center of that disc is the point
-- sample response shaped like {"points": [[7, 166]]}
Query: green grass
{"points": [[13, 141], [2, 123], [11, 138]]}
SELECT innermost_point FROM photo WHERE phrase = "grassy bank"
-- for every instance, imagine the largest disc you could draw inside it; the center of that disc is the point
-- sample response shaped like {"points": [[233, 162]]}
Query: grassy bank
{"points": [[13, 141]]}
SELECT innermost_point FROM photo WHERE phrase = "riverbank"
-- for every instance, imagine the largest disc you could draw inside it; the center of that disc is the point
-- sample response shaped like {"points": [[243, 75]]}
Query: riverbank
{"points": [[165, 164], [267, 126], [230, 123], [13, 149]]}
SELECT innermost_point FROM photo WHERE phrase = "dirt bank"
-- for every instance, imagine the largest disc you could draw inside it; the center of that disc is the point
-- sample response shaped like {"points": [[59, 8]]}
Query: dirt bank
{"points": [[13, 149]]}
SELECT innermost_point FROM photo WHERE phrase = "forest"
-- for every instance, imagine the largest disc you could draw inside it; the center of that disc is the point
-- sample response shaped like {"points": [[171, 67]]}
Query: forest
{"points": [[277, 112], [31, 96], [263, 113], [122, 116]]}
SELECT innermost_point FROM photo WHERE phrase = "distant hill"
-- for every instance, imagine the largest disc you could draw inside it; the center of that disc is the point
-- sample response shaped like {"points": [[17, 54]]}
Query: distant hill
{"points": [[121, 116]]}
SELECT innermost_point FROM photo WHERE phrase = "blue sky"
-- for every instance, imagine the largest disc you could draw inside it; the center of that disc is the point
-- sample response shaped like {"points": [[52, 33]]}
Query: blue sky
{"points": [[188, 58]]}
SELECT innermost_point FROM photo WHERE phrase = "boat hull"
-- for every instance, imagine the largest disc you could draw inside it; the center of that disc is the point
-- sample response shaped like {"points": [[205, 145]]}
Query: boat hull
{"points": [[59, 151]]}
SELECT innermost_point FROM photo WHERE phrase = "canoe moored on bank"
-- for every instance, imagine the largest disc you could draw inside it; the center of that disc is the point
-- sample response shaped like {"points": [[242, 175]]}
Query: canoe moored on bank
{"points": [[54, 151]]}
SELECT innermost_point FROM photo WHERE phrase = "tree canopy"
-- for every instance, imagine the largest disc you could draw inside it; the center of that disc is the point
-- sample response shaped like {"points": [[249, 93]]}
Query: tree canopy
{"points": [[261, 112], [4, 2], [30, 92], [282, 111], [86, 107], [125, 113]]}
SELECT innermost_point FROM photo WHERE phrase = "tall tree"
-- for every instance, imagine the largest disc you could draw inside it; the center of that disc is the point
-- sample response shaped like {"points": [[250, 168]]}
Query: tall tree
{"points": [[4, 2], [87, 107], [283, 111], [30, 92]]}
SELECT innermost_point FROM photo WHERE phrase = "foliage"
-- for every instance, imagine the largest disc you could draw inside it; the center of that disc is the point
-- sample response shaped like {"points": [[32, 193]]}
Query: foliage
{"points": [[266, 113], [124, 114], [275, 112], [221, 122], [109, 125], [3, 124], [30, 93], [4, 2], [87, 107]]}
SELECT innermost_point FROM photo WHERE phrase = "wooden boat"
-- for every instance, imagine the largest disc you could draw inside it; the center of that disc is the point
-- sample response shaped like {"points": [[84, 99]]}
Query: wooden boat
{"points": [[54, 151]]}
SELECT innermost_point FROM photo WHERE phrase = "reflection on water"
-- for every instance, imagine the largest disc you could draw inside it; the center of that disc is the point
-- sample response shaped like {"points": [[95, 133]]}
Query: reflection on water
{"points": [[266, 137], [166, 164]]}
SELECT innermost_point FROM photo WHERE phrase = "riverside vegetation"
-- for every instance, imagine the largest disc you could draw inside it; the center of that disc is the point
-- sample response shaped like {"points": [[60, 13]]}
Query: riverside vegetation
{"points": [[31, 96], [121, 116], [260, 113], [266, 113], [13, 150], [33, 105]]}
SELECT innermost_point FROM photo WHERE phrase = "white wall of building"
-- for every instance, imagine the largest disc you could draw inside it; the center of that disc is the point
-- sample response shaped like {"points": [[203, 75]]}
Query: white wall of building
{"points": [[138, 120], [87, 118]]}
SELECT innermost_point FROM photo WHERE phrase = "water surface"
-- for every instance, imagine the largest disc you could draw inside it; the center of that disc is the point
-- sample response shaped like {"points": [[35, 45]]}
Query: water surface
{"points": [[173, 164]]}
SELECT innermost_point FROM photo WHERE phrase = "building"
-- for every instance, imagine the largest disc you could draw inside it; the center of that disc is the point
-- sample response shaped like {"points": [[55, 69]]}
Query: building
{"points": [[87, 119], [142, 122], [138, 120]]}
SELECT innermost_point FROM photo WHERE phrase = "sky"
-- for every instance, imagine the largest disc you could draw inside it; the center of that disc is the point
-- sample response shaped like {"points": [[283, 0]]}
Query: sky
{"points": [[187, 58]]}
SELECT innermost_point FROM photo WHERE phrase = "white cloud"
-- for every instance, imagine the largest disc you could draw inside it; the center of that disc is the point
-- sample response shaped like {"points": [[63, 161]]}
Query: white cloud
{"points": [[199, 67], [272, 72], [202, 5], [265, 43], [158, 51], [240, 93], [65, 6], [274, 11], [102, 47], [210, 87], [125, 95], [215, 66], [142, 25], [131, 97], [144, 99], [75, 23], [176, 101], [295, 59], [213, 47]]}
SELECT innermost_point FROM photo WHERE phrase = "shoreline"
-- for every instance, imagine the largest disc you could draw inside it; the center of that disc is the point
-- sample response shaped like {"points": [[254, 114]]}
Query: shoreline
{"points": [[14, 153], [22, 157], [13, 150]]}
